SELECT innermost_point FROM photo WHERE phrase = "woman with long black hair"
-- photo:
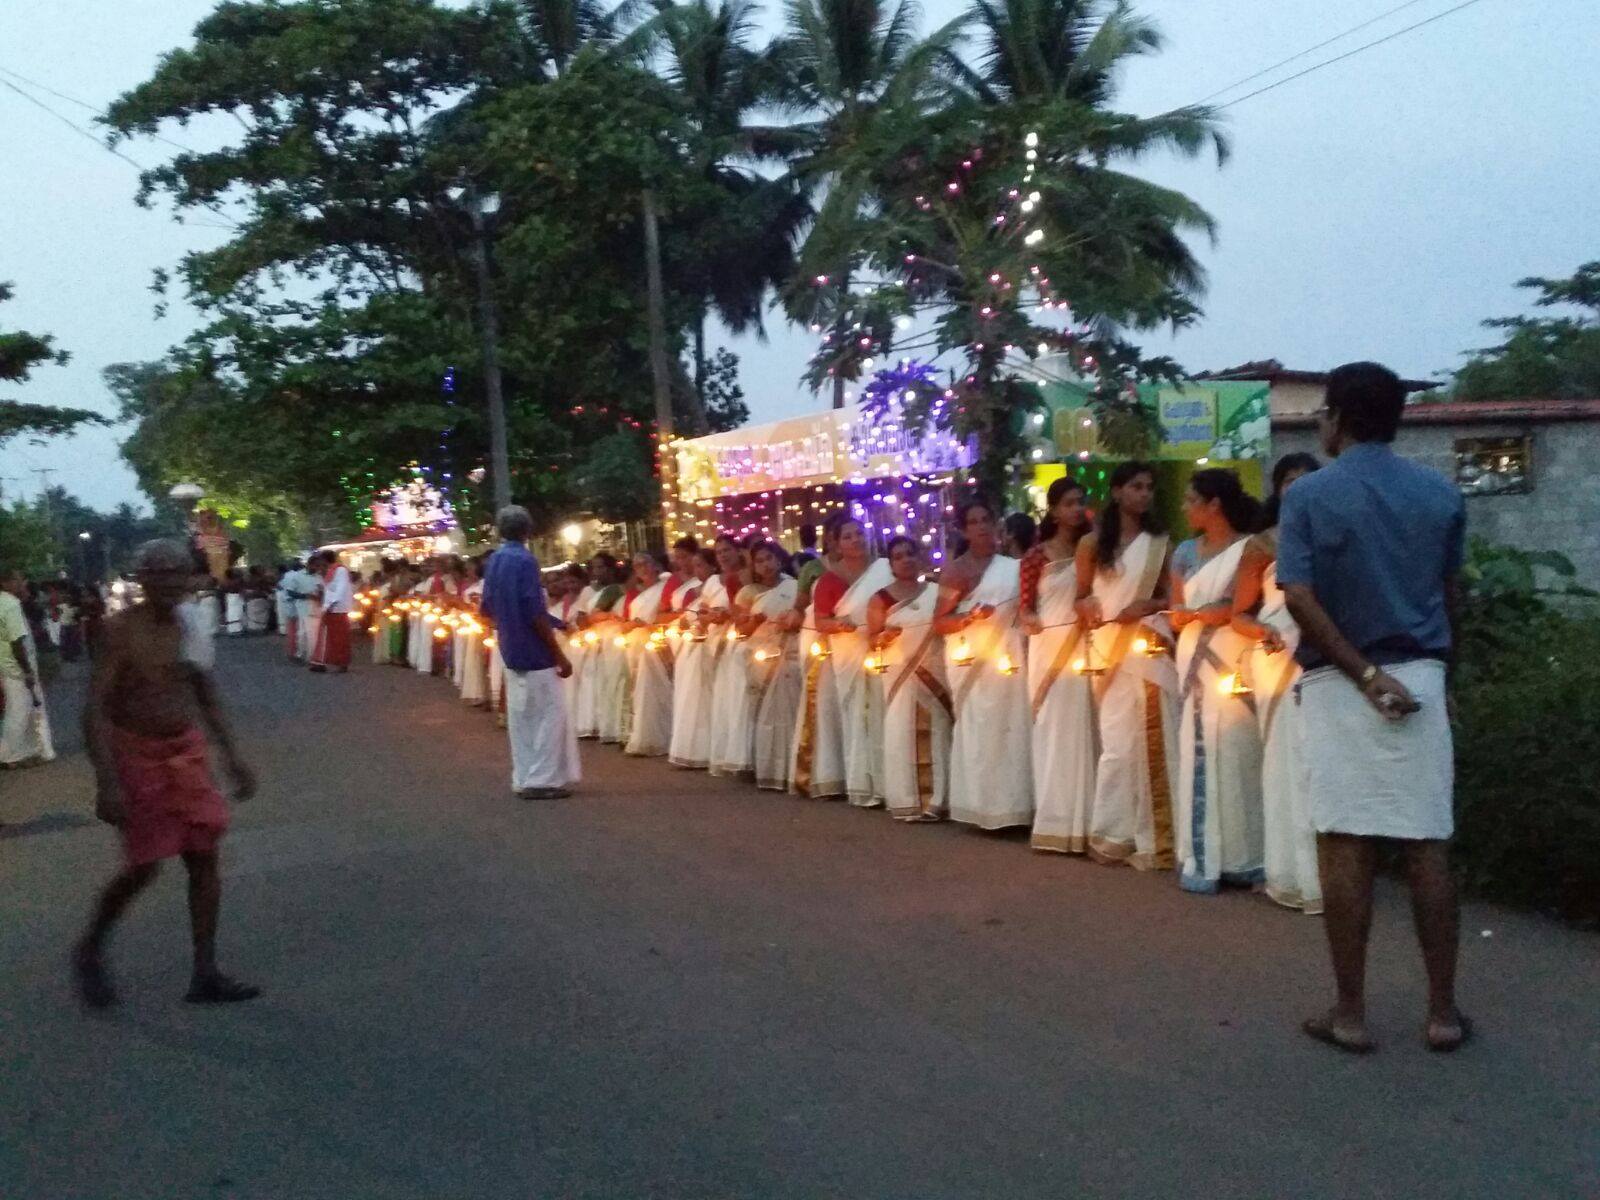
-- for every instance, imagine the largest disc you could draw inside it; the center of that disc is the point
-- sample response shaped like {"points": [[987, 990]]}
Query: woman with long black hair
{"points": [[1219, 739], [1060, 699], [1122, 590]]}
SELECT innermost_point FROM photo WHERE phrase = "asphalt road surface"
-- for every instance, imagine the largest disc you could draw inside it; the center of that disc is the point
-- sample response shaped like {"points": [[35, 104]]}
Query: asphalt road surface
{"points": [[674, 986]]}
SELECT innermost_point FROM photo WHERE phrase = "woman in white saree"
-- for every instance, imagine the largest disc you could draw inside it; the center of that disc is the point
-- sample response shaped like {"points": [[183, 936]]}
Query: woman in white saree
{"points": [[695, 667], [818, 769], [594, 603], [991, 753], [774, 667], [474, 658], [908, 660], [759, 626], [1060, 699], [860, 701], [650, 655], [729, 663], [1122, 589], [1261, 615], [1219, 737]]}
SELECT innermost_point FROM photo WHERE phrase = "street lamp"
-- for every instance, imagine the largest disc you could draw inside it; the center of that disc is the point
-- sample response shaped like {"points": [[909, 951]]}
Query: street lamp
{"points": [[483, 207]]}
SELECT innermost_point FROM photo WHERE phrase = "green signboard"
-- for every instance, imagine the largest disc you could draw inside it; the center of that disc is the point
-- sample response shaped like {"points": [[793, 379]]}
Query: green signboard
{"points": [[1221, 422]]}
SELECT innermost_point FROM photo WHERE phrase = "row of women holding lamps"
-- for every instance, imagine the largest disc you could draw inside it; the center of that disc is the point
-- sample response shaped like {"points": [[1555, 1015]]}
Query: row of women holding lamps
{"points": [[1128, 700]]}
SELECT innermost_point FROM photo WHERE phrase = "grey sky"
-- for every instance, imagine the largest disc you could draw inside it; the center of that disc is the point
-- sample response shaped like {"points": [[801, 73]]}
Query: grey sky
{"points": [[1378, 208]]}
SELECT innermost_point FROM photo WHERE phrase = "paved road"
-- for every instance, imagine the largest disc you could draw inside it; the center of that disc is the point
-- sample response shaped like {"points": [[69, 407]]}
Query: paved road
{"points": [[678, 987]]}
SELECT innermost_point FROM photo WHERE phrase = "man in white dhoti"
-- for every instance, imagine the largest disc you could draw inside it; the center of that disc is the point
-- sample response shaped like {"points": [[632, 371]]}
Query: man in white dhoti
{"points": [[25, 724], [544, 747], [1368, 553]]}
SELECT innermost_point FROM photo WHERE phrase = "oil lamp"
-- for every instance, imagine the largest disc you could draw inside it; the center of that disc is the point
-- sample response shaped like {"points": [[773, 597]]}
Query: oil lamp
{"points": [[961, 653], [1233, 683], [1005, 666], [820, 650], [1087, 665]]}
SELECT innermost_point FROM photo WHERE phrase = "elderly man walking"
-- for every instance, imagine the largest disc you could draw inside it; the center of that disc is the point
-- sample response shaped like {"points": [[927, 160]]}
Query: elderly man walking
{"points": [[544, 745], [1368, 553]]}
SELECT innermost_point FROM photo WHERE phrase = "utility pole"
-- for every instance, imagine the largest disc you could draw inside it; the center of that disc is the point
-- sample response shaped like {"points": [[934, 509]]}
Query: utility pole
{"points": [[666, 457], [484, 207]]}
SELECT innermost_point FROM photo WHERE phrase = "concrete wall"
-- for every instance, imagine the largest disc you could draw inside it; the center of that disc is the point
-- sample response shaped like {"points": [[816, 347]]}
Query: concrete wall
{"points": [[1561, 513], [1287, 397]]}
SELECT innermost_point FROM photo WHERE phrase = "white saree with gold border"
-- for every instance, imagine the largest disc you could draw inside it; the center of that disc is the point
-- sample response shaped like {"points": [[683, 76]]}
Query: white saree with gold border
{"points": [[1061, 701], [1218, 813], [693, 676], [918, 713], [775, 687], [1136, 700], [650, 730], [991, 752], [818, 769], [860, 703], [1288, 833]]}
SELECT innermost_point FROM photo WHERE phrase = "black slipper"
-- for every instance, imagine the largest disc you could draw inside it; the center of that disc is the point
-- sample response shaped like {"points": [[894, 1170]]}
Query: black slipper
{"points": [[1320, 1029], [219, 989], [1450, 1047], [94, 985]]}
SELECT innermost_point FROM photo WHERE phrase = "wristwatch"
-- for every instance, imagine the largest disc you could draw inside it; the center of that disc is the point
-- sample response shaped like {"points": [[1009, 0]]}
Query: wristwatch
{"points": [[1368, 675]]}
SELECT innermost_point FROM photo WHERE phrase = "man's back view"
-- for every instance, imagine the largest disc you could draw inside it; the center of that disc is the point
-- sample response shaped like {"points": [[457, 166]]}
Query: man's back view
{"points": [[1369, 549]]}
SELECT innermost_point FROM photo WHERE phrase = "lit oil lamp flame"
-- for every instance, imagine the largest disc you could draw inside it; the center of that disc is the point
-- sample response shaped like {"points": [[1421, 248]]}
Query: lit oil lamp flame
{"points": [[961, 653], [1005, 666], [873, 665], [1232, 685], [819, 650]]}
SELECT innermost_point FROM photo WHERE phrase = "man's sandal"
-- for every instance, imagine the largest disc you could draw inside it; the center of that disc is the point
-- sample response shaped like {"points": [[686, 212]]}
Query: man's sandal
{"points": [[1321, 1029]]}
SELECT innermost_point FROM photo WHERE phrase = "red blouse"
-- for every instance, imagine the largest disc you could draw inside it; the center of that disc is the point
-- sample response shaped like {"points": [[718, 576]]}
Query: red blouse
{"points": [[1033, 565], [827, 593]]}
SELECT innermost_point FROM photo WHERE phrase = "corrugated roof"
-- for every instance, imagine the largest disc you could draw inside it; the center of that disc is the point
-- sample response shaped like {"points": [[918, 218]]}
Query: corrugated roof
{"points": [[1472, 412], [1270, 370]]}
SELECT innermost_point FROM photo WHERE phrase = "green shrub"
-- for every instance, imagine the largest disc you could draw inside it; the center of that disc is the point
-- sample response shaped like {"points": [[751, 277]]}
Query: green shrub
{"points": [[1527, 699]]}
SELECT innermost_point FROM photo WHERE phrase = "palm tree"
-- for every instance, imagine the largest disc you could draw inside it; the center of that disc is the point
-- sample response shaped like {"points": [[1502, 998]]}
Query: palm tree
{"points": [[849, 69], [738, 244]]}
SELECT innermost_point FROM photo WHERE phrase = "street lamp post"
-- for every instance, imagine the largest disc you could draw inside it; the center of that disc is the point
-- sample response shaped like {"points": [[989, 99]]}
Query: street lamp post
{"points": [[483, 208]]}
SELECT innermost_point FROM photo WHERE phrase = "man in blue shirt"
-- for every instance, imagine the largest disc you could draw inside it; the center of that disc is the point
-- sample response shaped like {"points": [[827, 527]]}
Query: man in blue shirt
{"points": [[1368, 552], [544, 746]]}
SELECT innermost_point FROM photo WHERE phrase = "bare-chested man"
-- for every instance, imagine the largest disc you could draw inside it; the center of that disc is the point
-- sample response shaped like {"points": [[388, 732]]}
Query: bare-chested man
{"points": [[146, 696]]}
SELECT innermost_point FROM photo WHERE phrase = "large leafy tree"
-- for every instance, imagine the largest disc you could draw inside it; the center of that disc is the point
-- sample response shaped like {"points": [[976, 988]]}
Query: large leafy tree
{"points": [[1554, 357], [20, 353]]}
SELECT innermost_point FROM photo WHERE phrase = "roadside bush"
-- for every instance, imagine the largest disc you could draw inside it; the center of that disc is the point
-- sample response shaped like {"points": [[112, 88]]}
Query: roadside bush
{"points": [[1527, 699]]}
